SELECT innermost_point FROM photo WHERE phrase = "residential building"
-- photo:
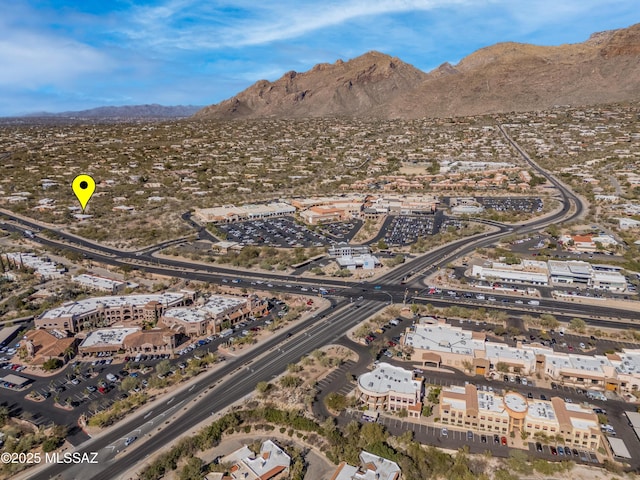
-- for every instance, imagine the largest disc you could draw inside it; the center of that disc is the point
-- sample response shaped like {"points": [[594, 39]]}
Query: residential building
{"points": [[372, 467], [246, 465], [391, 388], [42, 267], [625, 223]]}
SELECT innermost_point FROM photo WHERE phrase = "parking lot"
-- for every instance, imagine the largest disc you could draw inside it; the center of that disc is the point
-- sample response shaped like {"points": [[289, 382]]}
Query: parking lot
{"points": [[405, 230], [282, 233], [504, 204]]}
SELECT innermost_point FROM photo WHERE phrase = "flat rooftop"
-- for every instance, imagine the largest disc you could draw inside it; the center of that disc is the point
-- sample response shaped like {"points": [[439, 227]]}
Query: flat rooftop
{"points": [[541, 410], [95, 281], [443, 338], [501, 351], [186, 314], [586, 363], [386, 377], [579, 422], [515, 402], [88, 305], [630, 361], [490, 402], [109, 336], [218, 304]]}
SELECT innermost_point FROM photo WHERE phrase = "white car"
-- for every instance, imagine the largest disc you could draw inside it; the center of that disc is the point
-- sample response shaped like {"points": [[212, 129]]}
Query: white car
{"points": [[130, 440]]}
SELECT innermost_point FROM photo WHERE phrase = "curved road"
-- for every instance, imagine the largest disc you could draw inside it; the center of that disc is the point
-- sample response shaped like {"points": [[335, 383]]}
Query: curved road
{"points": [[238, 378]]}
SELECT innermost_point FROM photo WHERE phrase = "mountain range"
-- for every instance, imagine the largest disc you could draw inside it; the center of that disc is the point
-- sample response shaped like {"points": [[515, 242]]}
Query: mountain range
{"points": [[500, 78], [127, 111]]}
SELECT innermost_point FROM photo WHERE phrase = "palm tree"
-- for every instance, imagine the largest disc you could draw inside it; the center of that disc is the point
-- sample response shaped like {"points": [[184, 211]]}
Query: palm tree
{"points": [[69, 353]]}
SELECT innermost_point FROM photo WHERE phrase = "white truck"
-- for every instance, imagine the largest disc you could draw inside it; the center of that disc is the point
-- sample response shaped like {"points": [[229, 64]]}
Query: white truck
{"points": [[533, 302], [226, 333]]}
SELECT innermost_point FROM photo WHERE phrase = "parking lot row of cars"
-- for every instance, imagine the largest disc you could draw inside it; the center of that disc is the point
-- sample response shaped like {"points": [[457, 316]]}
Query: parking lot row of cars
{"points": [[405, 230], [502, 204], [280, 232]]}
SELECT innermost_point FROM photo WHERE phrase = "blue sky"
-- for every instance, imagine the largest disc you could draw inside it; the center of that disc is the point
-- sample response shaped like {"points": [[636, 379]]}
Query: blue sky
{"points": [[71, 55]]}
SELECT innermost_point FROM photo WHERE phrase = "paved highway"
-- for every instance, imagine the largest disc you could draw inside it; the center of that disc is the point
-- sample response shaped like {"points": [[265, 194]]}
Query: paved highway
{"points": [[233, 382], [238, 378]]}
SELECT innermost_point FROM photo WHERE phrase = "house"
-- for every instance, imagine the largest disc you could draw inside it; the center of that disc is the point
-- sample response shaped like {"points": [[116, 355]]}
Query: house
{"points": [[246, 465], [372, 467]]}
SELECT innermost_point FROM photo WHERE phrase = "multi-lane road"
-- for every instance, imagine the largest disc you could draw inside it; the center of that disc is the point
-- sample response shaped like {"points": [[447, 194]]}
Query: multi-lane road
{"points": [[239, 377]]}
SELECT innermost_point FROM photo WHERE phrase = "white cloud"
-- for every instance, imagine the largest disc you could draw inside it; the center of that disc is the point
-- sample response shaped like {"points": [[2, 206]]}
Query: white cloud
{"points": [[32, 59], [251, 25]]}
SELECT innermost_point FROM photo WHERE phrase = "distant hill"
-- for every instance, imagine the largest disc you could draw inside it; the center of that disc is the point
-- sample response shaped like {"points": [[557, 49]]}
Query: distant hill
{"points": [[127, 111], [500, 78]]}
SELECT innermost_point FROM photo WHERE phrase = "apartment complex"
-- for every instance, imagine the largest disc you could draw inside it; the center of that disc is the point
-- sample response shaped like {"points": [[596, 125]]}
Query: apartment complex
{"points": [[468, 407], [105, 311], [391, 388]]}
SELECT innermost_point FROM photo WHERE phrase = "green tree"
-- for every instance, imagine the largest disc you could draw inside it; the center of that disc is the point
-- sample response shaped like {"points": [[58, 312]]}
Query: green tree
{"points": [[4, 415], [263, 387], [52, 364], [129, 383], [290, 381], [163, 367], [335, 401], [577, 325], [192, 470], [502, 367], [549, 321]]}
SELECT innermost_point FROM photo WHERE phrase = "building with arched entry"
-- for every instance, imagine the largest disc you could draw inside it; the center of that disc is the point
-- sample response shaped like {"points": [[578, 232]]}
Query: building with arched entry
{"points": [[94, 312]]}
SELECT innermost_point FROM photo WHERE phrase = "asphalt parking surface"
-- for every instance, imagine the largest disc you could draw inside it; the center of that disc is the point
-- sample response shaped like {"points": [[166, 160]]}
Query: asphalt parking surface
{"points": [[280, 232]]}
